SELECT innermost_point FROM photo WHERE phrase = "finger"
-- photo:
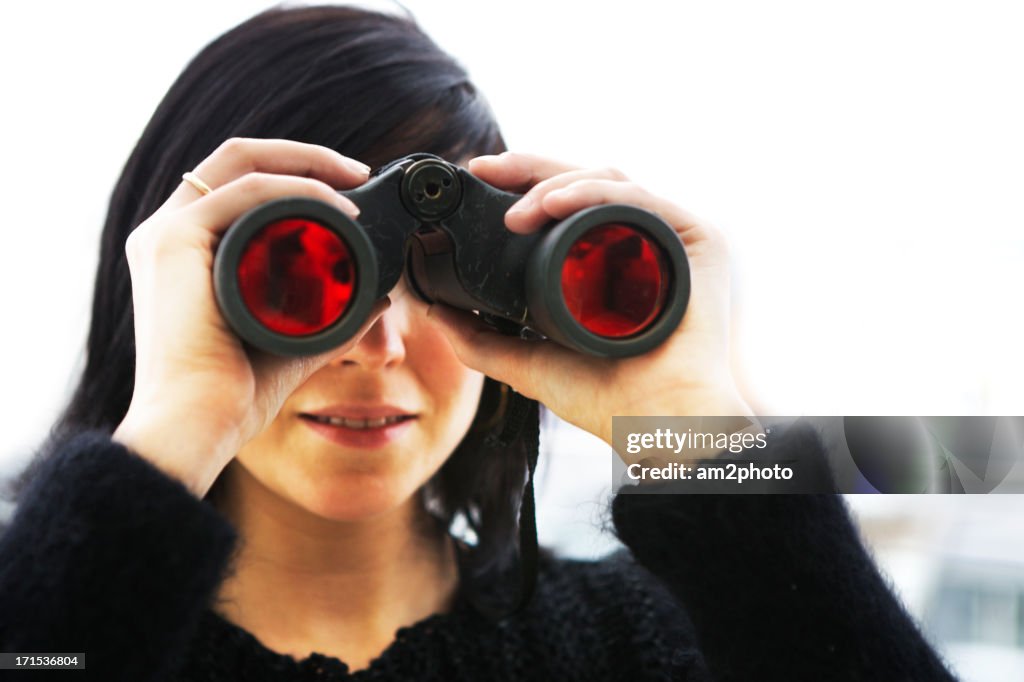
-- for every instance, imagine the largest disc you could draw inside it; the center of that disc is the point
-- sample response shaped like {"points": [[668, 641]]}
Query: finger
{"points": [[217, 210], [239, 156], [529, 367], [515, 172], [563, 202], [528, 214]]}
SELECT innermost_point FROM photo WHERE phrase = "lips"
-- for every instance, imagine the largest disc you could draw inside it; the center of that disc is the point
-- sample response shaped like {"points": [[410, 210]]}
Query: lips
{"points": [[361, 426], [356, 422], [360, 411]]}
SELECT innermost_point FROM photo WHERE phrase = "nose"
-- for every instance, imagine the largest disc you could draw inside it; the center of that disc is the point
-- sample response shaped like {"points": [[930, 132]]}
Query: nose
{"points": [[381, 347]]}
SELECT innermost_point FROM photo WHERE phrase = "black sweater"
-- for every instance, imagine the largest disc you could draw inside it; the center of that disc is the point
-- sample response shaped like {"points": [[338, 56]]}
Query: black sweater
{"points": [[107, 555]]}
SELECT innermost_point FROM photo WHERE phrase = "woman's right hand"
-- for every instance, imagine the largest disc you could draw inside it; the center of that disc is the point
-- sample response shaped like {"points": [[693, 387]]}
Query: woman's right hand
{"points": [[199, 394]]}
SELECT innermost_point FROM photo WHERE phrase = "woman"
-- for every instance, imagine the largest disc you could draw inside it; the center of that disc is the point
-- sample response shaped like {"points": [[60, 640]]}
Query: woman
{"points": [[209, 513]]}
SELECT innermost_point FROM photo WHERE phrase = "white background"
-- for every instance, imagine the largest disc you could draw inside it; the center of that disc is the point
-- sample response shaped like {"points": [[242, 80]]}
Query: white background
{"points": [[865, 159]]}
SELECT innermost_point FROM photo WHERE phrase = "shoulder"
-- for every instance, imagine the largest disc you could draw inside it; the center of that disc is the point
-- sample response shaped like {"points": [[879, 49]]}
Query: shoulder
{"points": [[88, 496]]}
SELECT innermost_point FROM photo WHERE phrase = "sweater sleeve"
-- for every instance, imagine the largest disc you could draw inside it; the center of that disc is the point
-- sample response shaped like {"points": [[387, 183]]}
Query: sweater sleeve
{"points": [[779, 586], [108, 556]]}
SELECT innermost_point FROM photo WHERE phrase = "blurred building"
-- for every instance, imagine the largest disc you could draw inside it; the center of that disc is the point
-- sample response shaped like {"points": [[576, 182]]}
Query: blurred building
{"points": [[957, 561]]}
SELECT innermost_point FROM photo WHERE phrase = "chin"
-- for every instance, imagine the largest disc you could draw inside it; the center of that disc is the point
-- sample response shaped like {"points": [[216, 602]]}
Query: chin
{"points": [[355, 498]]}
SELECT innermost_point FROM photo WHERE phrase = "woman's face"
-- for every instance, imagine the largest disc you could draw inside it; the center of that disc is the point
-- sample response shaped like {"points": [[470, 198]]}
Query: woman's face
{"points": [[371, 427]]}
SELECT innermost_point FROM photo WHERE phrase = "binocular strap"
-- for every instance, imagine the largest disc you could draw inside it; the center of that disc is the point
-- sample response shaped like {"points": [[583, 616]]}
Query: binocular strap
{"points": [[522, 420]]}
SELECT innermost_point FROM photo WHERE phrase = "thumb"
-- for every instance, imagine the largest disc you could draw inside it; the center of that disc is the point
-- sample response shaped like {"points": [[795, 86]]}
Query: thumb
{"points": [[530, 367]]}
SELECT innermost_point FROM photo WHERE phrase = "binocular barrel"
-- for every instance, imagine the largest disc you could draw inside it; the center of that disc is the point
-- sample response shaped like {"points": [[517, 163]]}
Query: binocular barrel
{"points": [[296, 276]]}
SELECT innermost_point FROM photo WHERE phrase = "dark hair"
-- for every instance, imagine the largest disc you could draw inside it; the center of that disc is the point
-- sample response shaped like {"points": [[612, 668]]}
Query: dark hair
{"points": [[373, 87]]}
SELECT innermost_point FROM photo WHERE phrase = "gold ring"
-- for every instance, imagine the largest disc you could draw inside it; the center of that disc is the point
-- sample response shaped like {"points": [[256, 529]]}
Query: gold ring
{"points": [[194, 180]]}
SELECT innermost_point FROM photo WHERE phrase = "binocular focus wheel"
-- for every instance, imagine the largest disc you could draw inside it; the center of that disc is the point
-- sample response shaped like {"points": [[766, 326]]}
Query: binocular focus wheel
{"points": [[295, 277]]}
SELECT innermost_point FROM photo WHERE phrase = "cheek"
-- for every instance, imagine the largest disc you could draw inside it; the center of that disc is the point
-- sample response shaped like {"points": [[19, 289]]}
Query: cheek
{"points": [[454, 387]]}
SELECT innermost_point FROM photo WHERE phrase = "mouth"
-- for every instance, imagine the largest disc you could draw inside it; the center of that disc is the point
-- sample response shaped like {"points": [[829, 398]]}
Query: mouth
{"points": [[358, 423], [360, 426]]}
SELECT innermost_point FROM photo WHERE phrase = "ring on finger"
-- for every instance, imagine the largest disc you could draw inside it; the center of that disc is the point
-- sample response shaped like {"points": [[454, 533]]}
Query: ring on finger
{"points": [[197, 182]]}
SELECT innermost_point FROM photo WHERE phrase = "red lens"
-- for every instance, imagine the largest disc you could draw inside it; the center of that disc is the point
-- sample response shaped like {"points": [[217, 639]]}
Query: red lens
{"points": [[614, 281], [296, 277]]}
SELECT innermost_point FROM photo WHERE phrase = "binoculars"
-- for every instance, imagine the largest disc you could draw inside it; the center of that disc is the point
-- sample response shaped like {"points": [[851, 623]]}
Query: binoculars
{"points": [[296, 276]]}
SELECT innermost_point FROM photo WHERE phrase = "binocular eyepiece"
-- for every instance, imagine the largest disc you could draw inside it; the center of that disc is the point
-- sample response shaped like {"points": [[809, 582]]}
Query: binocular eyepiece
{"points": [[297, 276]]}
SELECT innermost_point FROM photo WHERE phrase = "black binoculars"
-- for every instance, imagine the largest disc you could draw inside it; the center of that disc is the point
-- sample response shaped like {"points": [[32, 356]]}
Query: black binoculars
{"points": [[296, 276]]}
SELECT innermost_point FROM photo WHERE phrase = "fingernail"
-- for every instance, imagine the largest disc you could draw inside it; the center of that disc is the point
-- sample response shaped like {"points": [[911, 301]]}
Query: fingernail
{"points": [[347, 206], [524, 204], [357, 166]]}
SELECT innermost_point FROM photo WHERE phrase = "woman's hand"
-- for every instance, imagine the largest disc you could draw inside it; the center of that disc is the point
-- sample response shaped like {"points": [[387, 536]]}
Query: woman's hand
{"points": [[199, 394], [687, 375]]}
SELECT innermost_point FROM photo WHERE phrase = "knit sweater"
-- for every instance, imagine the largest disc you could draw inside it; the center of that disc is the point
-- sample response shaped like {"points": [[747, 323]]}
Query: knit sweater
{"points": [[109, 556]]}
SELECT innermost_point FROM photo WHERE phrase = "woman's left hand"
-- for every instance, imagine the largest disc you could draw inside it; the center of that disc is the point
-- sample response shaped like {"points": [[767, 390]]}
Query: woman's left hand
{"points": [[688, 375]]}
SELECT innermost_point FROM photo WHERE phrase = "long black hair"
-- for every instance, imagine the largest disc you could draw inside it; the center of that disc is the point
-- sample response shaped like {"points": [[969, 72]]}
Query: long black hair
{"points": [[370, 85]]}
